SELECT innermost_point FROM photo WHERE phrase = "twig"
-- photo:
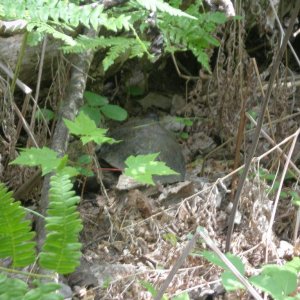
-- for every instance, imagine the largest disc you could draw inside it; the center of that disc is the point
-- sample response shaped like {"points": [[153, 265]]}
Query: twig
{"points": [[38, 85], [269, 232], [179, 262], [269, 139], [282, 32]]}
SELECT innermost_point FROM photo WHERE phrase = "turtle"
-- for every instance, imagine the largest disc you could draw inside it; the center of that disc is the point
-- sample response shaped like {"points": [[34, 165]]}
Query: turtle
{"points": [[144, 136]]}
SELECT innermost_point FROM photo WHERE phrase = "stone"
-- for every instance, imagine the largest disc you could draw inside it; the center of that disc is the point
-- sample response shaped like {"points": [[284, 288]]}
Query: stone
{"points": [[144, 136]]}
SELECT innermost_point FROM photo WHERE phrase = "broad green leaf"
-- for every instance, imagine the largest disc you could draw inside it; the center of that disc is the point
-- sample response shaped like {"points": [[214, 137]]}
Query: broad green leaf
{"points": [[45, 158], [230, 282], [142, 167], [82, 125], [114, 112], [294, 264], [70, 171], [95, 99], [235, 260], [92, 112], [84, 159], [97, 136], [277, 281], [87, 130], [44, 113]]}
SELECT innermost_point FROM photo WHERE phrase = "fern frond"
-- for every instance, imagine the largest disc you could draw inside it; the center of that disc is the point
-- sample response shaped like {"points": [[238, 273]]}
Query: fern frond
{"points": [[57, 11], [45, 28], [61, 251], [17, 289], [12, 288], [154, 5], [15, 232], [116, 46], [196, 35], [45, 291]]}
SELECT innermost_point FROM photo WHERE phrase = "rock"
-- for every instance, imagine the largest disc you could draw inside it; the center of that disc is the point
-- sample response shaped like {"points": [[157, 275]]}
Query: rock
{"points": [[144, 136]]}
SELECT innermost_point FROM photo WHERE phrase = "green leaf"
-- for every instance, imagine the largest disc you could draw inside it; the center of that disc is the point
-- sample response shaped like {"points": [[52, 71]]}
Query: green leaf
{"points": [[230, 282], [296, 197], [278, 281], [12, 288], [15, 232], [70, 171], [44, 113], [95, 99], [87, 130], [185, 121], [45, 291], [82, 125], [171, 238], [45, 158], [294, 264], [92, 112], [154, 5], [135, 91], [61, 250], [84, 159], [235, 260], [149, 287], [142, 167], [184, 135], [114, 112]]}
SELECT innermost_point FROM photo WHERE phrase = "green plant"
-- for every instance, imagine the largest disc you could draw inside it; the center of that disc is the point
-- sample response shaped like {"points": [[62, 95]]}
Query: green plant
{"points": [[126, 35], [270, 178], [189, 30], [193, 34], [187, 122], [61, 249], [280, 282], [97, 105], [142, 167]]}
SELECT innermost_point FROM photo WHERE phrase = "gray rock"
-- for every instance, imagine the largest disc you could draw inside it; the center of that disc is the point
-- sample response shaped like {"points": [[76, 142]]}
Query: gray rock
{"points": [[144, 136]]}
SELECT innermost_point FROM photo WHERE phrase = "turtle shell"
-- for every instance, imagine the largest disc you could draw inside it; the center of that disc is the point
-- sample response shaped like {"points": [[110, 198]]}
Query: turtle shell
{"points": [[144, 136]]}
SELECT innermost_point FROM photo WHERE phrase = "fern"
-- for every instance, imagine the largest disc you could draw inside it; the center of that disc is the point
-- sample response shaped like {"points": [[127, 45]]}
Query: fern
{"points": [[116, 46], [40, 27], [61, 251], [196, 35], [52, 17], [154, 5], [12, 288], [15, 232]]}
